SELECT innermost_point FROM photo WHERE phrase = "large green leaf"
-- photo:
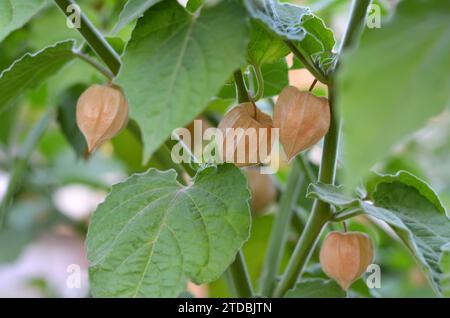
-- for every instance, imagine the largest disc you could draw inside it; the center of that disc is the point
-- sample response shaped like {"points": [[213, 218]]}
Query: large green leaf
{"points": [[132, 10], [316, 288], [15, 13], [410, 207], [151, 234], [176, 62], [297, 24], [394, 82], [31, 70]]}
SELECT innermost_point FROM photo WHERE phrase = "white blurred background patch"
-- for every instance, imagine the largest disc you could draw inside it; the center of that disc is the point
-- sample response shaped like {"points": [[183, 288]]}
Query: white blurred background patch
{"points": [[42, 269], [77, 201]]}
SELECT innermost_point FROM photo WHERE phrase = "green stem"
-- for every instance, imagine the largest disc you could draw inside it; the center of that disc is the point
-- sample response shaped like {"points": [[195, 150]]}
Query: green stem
{"points": [[21, 162], [96, 65], [342, 216], [309, 65], [186, 166], [306, 168], [305, 245], [242, 94], [279, 232], [94, 38], [239, 275], [321, 212]]}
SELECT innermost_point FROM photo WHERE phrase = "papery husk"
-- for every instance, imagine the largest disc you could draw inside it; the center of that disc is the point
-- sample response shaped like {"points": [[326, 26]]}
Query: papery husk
{"points": [[344, 257], [245, 115], [263, 190], [102, 112], [302, 118]]}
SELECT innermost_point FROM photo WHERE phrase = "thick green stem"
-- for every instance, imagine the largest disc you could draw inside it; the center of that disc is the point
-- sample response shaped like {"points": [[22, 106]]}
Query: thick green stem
{"points": [[280, 227], [239, 275], [318, 218], [21, 162], [321, 212], [306, 168], [94, 38], [320, 215]]}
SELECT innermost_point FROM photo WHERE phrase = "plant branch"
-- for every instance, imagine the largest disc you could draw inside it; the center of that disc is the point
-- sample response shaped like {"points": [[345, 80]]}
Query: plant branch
{"points": [[321, 212], [306, 168], [309, 65], [278, 236], [94, 38], [96, 65], [239, 276], [21, 162]]}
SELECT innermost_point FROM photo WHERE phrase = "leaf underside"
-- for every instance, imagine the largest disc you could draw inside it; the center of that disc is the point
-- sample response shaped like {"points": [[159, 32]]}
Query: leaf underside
{"points": [[151, 234]]}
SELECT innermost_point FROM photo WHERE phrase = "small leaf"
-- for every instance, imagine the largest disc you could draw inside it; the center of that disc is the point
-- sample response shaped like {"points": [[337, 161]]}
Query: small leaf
{"points": [[132, 10], [151, 234], [385, 101], [32, 70], [193, 5], [316, 288], [175, 63], [297, 24], [407, 204], [15, 13], [66, 119], [264, 46]]}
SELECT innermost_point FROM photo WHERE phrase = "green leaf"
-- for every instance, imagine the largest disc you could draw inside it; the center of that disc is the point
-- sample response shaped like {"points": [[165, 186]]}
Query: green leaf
{"points": [[275, 77], [445, 265], [151, 234], [384, 97], [32, 70], [67, 119], [193, 5], [410, 207], [297, 24], [175, 63], [132, 10], [316, 288], [264, 46], [15, 13]]}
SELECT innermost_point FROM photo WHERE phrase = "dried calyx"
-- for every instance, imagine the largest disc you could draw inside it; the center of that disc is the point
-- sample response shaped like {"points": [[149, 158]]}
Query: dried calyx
{"points": [[263, 190], [246, 132], [302, 119], [345, 256], [102, 111]]}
